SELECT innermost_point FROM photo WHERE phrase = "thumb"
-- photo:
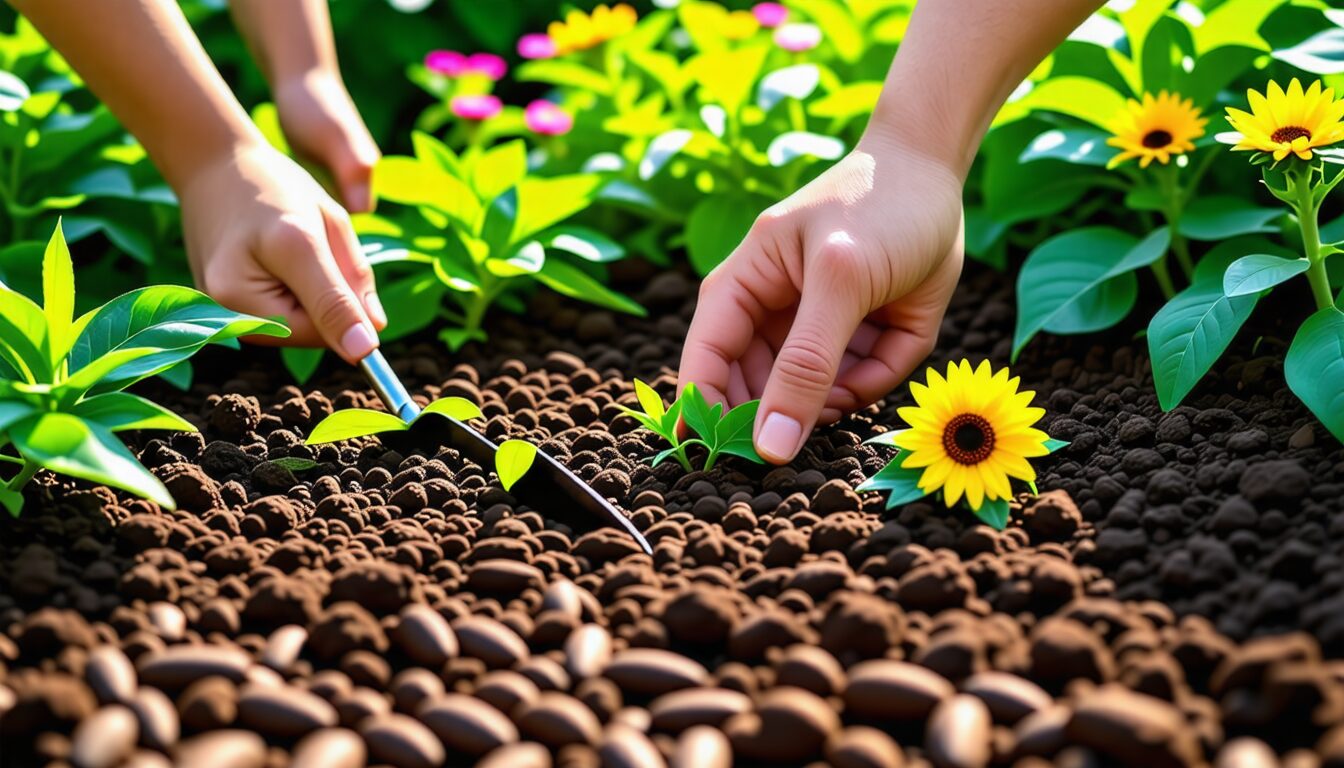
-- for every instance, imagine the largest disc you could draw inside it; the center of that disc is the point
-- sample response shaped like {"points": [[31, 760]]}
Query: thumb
{"points": [[805, 368]]}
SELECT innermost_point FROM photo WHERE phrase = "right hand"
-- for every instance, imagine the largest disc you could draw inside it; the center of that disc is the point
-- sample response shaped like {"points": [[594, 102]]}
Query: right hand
{"points": [[264, 238], [321, 124], [835, 295]]}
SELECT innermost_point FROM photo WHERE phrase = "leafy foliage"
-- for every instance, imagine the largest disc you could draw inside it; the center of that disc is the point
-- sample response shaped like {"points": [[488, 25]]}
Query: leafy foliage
{"points": [[719, 433]]}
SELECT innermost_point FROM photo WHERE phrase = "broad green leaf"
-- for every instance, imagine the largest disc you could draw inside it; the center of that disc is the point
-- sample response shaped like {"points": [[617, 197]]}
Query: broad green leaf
{"points": [[1012, 195], [1081, 146], [1189, 334], [1218, 217], [649, 400], [65, 443], [12, 501], [301, 362], [662, 149], [14, 410], [1070, 269], [512, 461], [500, 169], [458, 408], [726, 77], [24, 345], [566, 74], [179, 376], [1314, 368], [173, 320], [838, 26], [696, 412], [13, 92], [119, 411], [354, 422], [665, 70], [1100, 307], [1139, 19], [1259, 272], [58, 295], [901, 484], [644, 420], [431, 150], [795, 82], [732, 435], [994, 513], [409, 181], [588, 244], [717, 225], [569, 280], [1088, 100], [544, 202], [1234, 23], [1320, 54], [1053, 445], [527, 259], [412, 303]]}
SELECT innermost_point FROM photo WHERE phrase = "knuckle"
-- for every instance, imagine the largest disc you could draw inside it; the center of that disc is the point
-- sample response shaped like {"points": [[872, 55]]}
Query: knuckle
{"points": [[287, 234], [806, 362], [334, 309], [840, 255]]}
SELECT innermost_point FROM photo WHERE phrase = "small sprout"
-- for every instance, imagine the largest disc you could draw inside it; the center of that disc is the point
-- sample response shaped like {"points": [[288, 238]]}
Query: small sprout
{"points": [[363, 422], [512, 461], [718, 432]]}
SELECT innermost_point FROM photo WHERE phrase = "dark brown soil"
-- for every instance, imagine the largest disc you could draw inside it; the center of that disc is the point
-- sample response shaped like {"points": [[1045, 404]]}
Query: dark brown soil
{"points": [[1171, 599]]}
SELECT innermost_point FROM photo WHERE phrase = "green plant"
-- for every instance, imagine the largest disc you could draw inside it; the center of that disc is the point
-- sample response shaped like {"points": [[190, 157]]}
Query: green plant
{"points": [[719, 433], [478, 229], [61, 377], [512, 460]]}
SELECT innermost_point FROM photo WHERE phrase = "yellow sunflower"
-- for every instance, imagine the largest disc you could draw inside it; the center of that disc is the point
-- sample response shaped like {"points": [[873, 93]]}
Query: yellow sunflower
{"points": [[1293, 121], [1156, 128], [970, 433], [581, 31]]}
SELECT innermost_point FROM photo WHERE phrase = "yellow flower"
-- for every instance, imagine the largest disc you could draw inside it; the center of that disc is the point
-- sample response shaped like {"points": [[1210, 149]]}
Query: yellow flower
{"points": [[739, 25], [1291, 122], [970, 433], [580, 31], [1155, 128]]}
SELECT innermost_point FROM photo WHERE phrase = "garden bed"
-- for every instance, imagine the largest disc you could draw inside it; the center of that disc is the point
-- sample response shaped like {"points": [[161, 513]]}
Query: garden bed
{"points": [[1173, 589]]}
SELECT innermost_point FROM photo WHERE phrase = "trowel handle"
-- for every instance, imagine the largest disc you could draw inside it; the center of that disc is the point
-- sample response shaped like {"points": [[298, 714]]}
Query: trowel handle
{"points": [[388, 386]]}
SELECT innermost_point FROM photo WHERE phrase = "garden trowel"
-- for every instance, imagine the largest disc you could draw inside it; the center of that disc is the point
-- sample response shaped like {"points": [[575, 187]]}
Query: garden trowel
{"points": [[548, 485]]}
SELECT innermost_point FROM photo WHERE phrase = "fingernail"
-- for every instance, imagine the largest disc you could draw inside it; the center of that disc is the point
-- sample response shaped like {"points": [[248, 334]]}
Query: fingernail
{"points": [[375, 307], [779, 437], [359, 341]]}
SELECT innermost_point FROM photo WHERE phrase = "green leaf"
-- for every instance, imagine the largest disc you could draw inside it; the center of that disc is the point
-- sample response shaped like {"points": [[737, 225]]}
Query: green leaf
{"points": [[24, 345], [1314, 368], [732, 435], [1320, 54], [293, 463], [409, 181], [1217, 217], [901, 484], [118, 411], [1089, 100], [512, 461], [717, 225], [573, 282], [58, 294], [566, 74], [726, 77], [697, 413], [1062, 286], [431, 150], [1189, 334], [838, 26], [1053, 445], [649, 400], [13, 92], [544, 202], [588, 244], [526, 259], [847, 102], [65, 443], [354, 422], [1234, 23], [12, 501], [500, 169], [172, 321], [1081, 146], [458, 408], [1259, 272], [994, 513], [179, 376], [301, 362], [412, 303]]}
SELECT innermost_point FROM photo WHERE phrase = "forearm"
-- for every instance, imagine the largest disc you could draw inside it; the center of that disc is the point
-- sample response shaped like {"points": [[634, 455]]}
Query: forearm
{"points": [[142, 60], [288, 38], [959, 62]]}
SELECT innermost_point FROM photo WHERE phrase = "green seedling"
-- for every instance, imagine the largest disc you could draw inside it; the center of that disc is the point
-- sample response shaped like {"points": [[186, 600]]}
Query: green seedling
{"points": [[717, 432], [61, 377], [512, 460]]}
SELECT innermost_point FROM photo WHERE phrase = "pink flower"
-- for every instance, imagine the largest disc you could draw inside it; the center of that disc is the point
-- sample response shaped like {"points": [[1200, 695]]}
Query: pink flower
{"points": [[797, 38], [450, 63], [476, 107], [547, 119], [536, 46], [770, 15], [487, 65]]}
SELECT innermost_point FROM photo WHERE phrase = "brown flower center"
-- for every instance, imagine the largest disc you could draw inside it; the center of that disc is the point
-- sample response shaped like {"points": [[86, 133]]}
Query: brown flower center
{"points": [[968, 439], [1289, 134], [1156, 139]]}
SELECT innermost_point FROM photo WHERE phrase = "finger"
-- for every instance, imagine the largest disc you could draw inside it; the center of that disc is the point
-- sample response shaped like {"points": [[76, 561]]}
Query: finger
{"points": [[352, 164], [253, 291], [297, 252], [893, 358], [352, 263], [737, 385], [808, 361], [756, 365]]}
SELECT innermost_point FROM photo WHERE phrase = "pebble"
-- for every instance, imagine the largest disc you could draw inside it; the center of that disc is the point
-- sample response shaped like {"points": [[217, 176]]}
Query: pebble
{"points": [[863, 747], [284, 711], [110, 675], [890, 689], [180, 665], [654, 671], [526, 754], [105, 738], [675, 712], [1009, 697], [223, 749], [958, 734], [627, 747], [425, 636], [467, 725], [702, 747], [283, 647], [558, 719], [490, 641], [402, 741], [168, 620], [1133, 728], [157, 718], [789, 725], [329, 748], [1246, 752], [587, 651], [811, 668]]}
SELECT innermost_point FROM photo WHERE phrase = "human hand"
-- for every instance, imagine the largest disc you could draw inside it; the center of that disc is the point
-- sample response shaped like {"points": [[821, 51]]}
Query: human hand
{"points": [[835, 295], [264, 238], [322, 125]]}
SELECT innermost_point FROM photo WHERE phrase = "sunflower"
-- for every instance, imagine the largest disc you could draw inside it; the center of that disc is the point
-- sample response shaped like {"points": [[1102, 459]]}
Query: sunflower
{"points": [[581, 31], [1288, 122], [970, 433], [1156, 128]]}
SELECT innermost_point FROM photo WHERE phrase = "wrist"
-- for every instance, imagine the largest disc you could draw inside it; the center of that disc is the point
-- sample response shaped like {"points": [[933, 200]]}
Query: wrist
{"points": [[919, 153]]}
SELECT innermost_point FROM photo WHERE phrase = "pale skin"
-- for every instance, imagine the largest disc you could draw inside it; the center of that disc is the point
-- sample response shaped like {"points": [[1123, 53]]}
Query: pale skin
{"points": [[837, 293], [262, 236]]}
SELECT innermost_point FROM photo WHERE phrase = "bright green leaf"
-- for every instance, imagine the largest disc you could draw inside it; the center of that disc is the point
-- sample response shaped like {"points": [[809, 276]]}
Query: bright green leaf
{"points": [[67, 444], [58, 295], [119, 411], [727, 76], [1088, 100], [588, 244], [649, 400], [409, 181], [1218, 217], [544, 202], [1189, 334], [12, 501], [500, 169], [1314, 368], [901, 484], [994, 513], [458, 408], [564, 73], [568, 280], [354, 422], [1259, 272], [717, 224], [512, 461], [301, 362]]}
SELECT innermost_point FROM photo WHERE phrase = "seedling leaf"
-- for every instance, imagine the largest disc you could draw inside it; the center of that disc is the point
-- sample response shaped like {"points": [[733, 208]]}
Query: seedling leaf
{"points": [[512, 461], [354, 422], [994, 513], [458, 408]]}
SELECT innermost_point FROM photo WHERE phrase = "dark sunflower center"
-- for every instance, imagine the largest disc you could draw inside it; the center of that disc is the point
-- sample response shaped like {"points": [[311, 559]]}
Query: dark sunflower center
{"points": [[968, 439], [1156, 139], [1290, 133]]}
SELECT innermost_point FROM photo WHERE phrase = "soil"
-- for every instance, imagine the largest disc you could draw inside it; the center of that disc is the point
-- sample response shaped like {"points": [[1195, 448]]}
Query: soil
{"points": [[1172, 598]]}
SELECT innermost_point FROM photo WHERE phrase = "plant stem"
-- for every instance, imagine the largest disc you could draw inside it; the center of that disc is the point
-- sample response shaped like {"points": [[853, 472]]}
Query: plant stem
{"points": [[1311, 241], [681, 457], [25, 474], [1175, 199], [1163, 276]]}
